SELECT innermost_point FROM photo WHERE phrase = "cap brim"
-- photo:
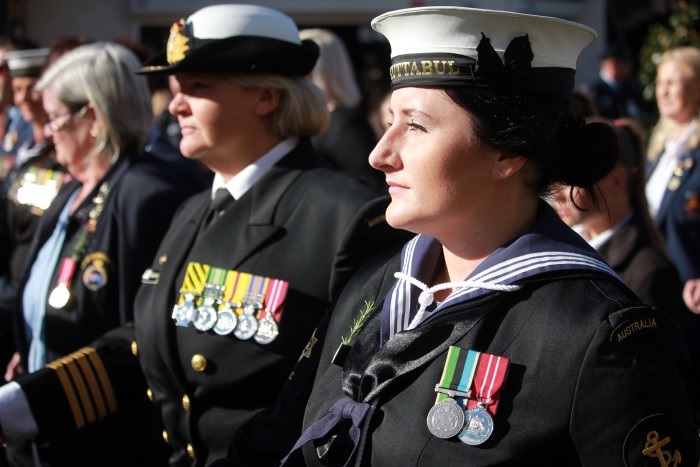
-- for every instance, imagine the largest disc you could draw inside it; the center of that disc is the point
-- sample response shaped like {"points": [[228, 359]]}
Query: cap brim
{"points": [[241, 54]]}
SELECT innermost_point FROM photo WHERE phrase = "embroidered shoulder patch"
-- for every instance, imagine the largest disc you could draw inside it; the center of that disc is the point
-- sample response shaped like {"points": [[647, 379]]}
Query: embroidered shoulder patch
{"points": [[658, 440], [632, 330]]}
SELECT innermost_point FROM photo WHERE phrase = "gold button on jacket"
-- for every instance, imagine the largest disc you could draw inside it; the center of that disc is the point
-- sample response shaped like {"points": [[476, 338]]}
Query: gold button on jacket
{"points": [[199, 362]]}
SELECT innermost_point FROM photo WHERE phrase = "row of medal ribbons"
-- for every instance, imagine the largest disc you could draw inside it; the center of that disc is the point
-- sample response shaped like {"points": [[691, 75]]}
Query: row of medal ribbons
{"points": [[228, 301], [38, 187]]}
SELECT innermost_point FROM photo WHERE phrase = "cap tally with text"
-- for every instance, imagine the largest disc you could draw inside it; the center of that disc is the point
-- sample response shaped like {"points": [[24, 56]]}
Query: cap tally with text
{"points": [[26, 62], [504, 51], [235, 38]]}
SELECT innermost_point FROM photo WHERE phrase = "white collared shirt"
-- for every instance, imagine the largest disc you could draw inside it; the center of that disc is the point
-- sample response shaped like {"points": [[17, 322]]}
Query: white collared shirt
{"points": [[250, 175]]}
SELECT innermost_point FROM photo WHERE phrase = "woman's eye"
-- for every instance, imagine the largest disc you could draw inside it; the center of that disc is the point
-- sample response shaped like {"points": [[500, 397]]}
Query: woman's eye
{"points": [[416, 126]]}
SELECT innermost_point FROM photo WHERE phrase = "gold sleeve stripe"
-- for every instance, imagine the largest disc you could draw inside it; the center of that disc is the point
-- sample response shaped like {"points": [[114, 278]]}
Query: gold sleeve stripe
{"points": [[97, 397], [72, 366], [103, 377], [70, 393]]}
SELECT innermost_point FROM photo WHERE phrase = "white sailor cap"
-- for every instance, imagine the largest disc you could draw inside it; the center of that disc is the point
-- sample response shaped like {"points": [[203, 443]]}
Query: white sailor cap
{"points": [[509, 52], [235, 38], [26, 62]]}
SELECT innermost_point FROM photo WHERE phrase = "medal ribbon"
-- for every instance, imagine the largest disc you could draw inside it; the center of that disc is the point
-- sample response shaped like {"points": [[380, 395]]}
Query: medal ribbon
{"points": [[65, 271], [256, 290], [239, 288], [194, 280], [214, 286], [490, 374], [274, 298], [230, 286], [458, 373]]}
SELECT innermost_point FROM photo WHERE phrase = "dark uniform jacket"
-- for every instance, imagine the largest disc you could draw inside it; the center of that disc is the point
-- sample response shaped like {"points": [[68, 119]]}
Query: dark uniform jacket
{"points": [[678, 217], [644, 267], [300, 223], [78, 390], [587, 365]]}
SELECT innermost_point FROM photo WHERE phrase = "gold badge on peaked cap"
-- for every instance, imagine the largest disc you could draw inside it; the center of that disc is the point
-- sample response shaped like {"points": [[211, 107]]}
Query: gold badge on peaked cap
{"points": [[177, 42]]}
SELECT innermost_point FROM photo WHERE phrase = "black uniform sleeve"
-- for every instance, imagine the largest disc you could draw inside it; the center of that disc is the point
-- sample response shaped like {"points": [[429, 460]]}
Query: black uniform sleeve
{"points": [[631, 406], [85, 386]]}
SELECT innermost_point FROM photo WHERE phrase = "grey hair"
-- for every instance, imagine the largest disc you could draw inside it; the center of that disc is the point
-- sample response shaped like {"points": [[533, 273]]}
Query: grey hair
{"points": [[103, 75], [302, 110]]}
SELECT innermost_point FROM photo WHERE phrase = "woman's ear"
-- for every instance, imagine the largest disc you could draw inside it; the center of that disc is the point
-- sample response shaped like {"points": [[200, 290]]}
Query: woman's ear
{"points": [[268, 101], [507, 164]]}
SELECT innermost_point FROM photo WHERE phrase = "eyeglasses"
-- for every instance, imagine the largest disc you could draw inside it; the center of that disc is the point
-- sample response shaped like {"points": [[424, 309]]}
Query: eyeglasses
{"points": [[58, 122]]}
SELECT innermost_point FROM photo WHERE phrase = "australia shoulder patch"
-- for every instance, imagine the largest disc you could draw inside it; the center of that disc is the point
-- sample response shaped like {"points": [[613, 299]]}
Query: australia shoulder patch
{"points": [[646, 331]]}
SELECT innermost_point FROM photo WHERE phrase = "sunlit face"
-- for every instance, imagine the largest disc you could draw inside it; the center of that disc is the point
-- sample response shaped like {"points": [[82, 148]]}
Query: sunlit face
{"points": [[70, 132], [677, 91], [215, 116], [26, 99], [440, 178]]}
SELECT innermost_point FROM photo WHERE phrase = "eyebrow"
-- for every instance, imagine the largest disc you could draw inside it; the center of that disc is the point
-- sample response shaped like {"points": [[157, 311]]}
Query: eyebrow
{"points": [[410, 112]]}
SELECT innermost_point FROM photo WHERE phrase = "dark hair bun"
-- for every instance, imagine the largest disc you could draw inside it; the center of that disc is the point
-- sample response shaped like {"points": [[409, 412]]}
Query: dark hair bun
{"points": [[593, 155]]}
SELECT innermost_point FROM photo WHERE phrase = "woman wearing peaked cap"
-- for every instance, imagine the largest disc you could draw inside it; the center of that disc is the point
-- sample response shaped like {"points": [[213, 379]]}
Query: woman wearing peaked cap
{"points": [[232, 297], [497, 336]]}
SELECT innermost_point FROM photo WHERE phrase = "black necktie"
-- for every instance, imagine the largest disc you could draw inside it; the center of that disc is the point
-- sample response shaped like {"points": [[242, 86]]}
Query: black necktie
{"points": [[222, 200]]}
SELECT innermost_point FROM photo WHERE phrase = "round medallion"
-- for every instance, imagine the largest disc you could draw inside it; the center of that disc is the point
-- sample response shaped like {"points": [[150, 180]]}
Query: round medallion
{"points": [[182, 314], [267, 330], [59, 296], [205, 318], [246, 328], [446, 419], [478, 426], [225, 322]]}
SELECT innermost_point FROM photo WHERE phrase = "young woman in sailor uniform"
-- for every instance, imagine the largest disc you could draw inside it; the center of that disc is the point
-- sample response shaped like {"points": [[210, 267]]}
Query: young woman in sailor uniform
{"points": [[497, 336]]}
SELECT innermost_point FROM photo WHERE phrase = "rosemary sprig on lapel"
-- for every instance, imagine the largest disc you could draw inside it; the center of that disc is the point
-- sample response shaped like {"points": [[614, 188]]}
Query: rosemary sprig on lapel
{"points": [[345, 342], [359, 322]]}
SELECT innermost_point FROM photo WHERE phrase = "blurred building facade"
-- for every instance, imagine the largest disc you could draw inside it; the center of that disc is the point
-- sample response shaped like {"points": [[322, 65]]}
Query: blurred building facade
{"points": [[148, 22]]}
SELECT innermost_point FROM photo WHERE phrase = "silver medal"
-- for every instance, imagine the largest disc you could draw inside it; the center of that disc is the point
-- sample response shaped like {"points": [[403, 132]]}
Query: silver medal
{"points": [[226, 321], [183, 314], [206, 316], [267, 330], [446, 419], [246, 327], [478, 426]]}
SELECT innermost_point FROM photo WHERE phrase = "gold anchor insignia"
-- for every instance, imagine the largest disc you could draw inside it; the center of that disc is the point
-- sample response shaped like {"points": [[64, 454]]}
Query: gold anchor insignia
{"points": [[652, 448], [177, 43]]}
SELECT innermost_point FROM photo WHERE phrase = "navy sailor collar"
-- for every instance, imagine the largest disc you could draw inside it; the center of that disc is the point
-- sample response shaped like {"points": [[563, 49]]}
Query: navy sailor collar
{"points": [[550, 245]]}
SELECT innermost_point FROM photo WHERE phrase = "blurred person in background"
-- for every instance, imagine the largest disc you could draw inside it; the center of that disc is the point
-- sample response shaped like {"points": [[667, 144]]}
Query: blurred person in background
{"points": [[15, 132], [673, 187], [349, 137], [618, 225], [615, 91], [85, 265]]}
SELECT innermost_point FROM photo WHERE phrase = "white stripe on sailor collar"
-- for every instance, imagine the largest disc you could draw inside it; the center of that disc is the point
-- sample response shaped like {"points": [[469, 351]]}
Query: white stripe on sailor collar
{"points": [[503, 269]]}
